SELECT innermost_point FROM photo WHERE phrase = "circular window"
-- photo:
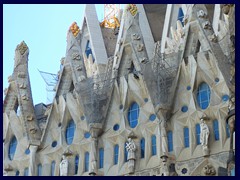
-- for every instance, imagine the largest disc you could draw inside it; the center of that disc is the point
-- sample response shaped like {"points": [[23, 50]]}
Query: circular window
{"points": [[184, 109], [121, 106], [27, 151], [152, 117], [116, 127], [54, 143], [188, 88], [216, 80], [82, 118], [145, 99], [225, 97], [184, 170], [87, 135], [59, 124]]}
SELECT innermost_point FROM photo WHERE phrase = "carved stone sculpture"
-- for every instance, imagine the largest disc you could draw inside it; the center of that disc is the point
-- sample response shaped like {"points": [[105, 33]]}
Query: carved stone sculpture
{"points": [[209, 170], [64, 166], [131, 148], [204, 136]]}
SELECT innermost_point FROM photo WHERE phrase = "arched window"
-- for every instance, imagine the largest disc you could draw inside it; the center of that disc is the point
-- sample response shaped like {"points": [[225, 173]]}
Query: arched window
{"points": [[142, 145], [180, 15], [227, 130], [133, 114], [116, 150], [215, 129], [52, 168], [170, 141], [86, 162], [17, 173], [88, 50], [125, 152], [198, 132], [76, 163], [70, 132], [12, 148], [39, 170], [25, 172], [101, 158], [203, 95], [154, 147], [186, 136]]}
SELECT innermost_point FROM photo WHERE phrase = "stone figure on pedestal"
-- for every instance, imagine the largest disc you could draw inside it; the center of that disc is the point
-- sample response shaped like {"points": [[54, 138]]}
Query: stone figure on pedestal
{"points": [[131, 148], [204, 136], [64, 166]]}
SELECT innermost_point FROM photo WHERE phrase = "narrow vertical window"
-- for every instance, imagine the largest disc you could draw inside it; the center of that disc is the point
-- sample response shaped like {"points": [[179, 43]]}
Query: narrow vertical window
{"points": [[142, 145], [52, 168], [76, 163], [101, 158], [12, 148], [198, 132], [170, 141], [186, 136], [180, 15], [133, 114], [125, 152], [39, 170], [26, 172], [116, 150], [86, 162], [154, 147], [227, 130], [88, 50], [215, 129], [70, 132]]}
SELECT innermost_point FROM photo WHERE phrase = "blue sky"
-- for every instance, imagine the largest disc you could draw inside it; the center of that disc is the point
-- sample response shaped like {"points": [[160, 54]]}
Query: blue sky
{"points": [[44, 29]]}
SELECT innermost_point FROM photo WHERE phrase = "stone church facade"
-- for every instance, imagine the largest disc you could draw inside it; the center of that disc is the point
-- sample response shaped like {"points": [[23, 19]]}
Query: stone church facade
{"points": [[155, 97]]}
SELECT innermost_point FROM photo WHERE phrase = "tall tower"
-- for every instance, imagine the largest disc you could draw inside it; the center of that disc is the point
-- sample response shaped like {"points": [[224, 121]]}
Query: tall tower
{"points": [[111, 12]]}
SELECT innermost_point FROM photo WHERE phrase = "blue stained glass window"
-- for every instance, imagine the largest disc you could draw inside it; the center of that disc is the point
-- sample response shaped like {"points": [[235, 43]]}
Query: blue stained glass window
{"points": [[170, 141], [184, 109], [203, 95], [88, 50], [39, 170], [54, 143], [87, 135], [125, 152], [27, 151], [25, 172], [154, 146], [101, 158], [116, 127], [116, 150], [52, 168], [215, 129], [142, 145], [188, 88], [12, 148], [225, 97], [86, 162], [152, 117], [17, 173], [133, 114], [70, 132], [232, 173], [198, 132], [180, 16], [227, 130], [186, 136], [76, 163]]}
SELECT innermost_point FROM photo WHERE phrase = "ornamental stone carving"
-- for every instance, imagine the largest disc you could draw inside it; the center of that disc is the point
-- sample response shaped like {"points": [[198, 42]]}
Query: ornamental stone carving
{"points": [[63, 166], [22, 48], [76, 56], [209, 170], [131, 148], [201, 14]]}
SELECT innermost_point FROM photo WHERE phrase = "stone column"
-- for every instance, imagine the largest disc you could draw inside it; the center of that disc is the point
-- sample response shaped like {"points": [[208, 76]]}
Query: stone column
{"points": [[32, 163], [164, 145], [93, 156]]}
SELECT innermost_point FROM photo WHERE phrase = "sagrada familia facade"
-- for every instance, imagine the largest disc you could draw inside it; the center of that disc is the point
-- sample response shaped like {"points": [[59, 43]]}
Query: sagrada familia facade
{"points": [[153, 97]]}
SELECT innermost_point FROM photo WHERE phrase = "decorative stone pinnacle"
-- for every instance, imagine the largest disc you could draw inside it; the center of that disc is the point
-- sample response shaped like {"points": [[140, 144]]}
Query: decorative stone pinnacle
{"points": [[22, 47], [74, 29]]}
